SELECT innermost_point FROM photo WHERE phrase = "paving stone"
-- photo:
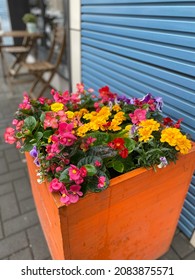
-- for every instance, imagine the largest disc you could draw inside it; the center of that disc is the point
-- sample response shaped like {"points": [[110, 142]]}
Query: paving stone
{"points": [[27, 205], [24, 254], [38, 244], [20, 223], [191, 256], [12, 176], [12, 154], [3, 145], [17, 165], [181, 245], [8, 206], [1, 231], [170, 255], [22, 188], [3, 166], [5, 188], [12, 244]]}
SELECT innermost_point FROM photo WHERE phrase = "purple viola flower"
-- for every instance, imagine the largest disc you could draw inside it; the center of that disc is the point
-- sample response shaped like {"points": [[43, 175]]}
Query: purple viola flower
{"points": [[125, 99], [159, 103], [34, 152], [163, 162], [133, 129], [36, 161], [146, 98]]}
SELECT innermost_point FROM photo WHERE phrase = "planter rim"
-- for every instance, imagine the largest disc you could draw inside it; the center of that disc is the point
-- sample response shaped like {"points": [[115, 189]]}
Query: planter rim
{"points": [[121, 178]]}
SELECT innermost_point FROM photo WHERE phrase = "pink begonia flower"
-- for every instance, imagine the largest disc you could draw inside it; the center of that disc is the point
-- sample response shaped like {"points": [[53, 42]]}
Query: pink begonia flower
{"points": [[83, 171], [62, 98], [80, 87], [75, 98], [25, 103], [42, 100], [54, 138], [74, 193], [62, 115], [67, 139], [90, 140], [138, 116], [18, 145], [91, 90], [65, 127], [9, 135], [96, 105], [65, 198], [58, 169], [55, 185], [79, 181], [18, 124], [97, 163], [50, 120], [52, 150], [74, 172], [101, 182]]}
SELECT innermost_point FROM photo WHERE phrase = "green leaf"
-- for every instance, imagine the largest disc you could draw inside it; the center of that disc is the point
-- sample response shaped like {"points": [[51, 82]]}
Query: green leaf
{"points": [[92, 182], [47, 134], [27, 147], [64, 176], [38, 135], [91, 170], [30, 123], [19, 135], [101, 137], [118, 166], [42, 117], [129, 144], [89, 160]]}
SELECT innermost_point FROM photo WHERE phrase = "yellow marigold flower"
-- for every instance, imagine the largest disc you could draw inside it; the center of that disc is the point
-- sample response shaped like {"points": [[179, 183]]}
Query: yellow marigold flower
{"points": [[127, 128], [183, 144], [70, 114], [120, 116], [105, 111], [87, 116], [116, 108], [83, 111], [94, 126], [146, 128], [170, 135], [115, 125], [145, 134], [150, 123], [55, 107], [82, 130]]}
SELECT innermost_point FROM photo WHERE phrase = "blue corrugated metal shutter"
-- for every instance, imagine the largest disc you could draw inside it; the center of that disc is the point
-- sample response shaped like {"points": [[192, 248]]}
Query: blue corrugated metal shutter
{"points": [[143, 46]]}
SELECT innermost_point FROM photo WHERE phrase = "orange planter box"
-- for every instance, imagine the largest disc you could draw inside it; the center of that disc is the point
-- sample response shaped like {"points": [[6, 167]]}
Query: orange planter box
{"points": [[135, 218]]}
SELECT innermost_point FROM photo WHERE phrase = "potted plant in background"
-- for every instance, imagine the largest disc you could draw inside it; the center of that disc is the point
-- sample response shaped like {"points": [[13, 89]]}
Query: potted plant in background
{"points": [[109, 174], [31, 22]]}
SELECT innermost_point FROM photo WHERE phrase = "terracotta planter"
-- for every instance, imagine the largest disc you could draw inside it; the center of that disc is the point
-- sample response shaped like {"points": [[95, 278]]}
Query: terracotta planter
{"points": [[135, 218]]}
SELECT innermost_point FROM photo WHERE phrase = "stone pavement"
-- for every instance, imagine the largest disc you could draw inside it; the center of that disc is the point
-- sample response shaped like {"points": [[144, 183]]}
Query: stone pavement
{"points": [[21, 236]]}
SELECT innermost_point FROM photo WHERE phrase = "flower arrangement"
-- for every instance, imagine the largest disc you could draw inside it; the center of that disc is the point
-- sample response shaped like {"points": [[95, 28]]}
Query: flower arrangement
{"points": [[79, 141]]}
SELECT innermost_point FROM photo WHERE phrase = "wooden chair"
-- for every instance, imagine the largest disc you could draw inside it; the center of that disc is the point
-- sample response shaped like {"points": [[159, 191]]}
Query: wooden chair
{"points": [[20, 53], [40, 67]]}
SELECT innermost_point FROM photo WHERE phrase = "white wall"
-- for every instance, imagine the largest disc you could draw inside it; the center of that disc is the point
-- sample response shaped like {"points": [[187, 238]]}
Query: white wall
{"points": [[75, 41]]}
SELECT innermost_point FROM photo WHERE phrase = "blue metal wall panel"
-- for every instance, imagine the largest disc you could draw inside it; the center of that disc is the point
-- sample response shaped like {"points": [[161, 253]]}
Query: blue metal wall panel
{"points": [[143, 46]]}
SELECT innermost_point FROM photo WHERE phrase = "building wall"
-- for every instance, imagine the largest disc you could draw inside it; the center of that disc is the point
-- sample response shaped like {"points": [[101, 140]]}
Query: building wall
{"points": [[75, 42], [141, 46]]}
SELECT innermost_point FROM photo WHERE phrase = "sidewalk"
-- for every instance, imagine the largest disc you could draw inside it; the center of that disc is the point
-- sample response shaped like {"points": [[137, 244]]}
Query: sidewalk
{"points": [[21, 236]]}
